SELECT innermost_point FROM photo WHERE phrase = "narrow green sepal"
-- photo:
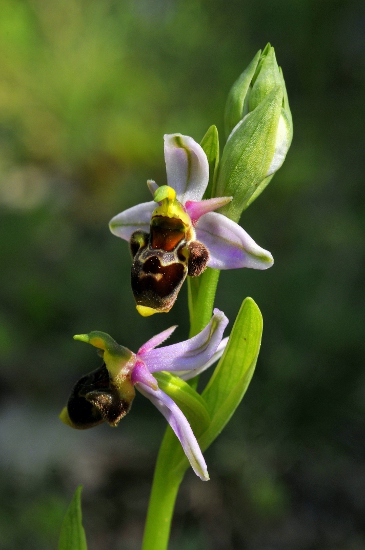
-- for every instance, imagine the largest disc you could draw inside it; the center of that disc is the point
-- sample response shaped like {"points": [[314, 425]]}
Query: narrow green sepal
{"points": [[210, 145], [234, 110], [102, 341], [266, 78], [72, 536]]}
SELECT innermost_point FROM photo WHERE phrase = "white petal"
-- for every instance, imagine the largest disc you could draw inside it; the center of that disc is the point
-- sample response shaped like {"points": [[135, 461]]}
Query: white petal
{"points": [[188, 374], [181, 427], [186, 166], [128, 221], [229, 245]]}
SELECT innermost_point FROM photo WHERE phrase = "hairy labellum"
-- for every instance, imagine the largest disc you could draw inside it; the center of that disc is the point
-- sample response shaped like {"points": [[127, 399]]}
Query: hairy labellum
{"points": [[95, 399], [161, 261]]}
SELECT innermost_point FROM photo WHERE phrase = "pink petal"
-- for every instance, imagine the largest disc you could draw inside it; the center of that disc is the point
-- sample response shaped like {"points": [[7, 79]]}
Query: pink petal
{"points": [[140, 374], [156, 340], [190, 354], [199, 208]]}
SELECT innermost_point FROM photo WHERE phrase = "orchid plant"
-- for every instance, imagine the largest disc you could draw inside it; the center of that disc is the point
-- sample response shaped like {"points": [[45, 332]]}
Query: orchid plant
{"points": [[175, 236]]}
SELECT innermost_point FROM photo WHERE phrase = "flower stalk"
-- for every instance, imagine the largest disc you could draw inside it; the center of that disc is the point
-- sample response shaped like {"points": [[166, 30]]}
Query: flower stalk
{"points": [[180, 234]]}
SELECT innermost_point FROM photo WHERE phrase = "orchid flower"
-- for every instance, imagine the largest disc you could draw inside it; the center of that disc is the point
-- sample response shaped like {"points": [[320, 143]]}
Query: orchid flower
{"points": [[182, 235], [106, 394]]}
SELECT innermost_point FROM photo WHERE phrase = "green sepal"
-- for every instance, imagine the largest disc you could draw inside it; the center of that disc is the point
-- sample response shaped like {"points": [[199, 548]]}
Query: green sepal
{"points": [[210, 145], [104, 342], [235, 106], [115, 356], [187, 399], [248, 154], [72, 535], [266, 78], [286, 106]]}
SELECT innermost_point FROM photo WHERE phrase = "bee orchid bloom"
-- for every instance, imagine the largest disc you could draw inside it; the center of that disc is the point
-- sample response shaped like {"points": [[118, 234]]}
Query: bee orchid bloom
{"points": [[107, 393], [181, 235]]}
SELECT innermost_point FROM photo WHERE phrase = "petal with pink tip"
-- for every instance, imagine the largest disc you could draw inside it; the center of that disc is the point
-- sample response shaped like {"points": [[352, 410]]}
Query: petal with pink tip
{"points": [[197, 209], [141, 374], [156, 340]]}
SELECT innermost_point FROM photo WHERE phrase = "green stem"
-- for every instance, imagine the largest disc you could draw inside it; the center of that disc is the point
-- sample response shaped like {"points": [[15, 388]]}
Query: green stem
{"points": [[201, 295], [167, 477], [165, 486]]}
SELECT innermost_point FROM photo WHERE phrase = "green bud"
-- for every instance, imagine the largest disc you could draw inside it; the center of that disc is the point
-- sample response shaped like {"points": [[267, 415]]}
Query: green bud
{"points": [[259, 123]]}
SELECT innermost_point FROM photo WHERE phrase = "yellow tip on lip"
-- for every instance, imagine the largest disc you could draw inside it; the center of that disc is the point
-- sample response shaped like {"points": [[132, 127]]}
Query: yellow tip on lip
{"points": [[146, 311], [65, 417]]}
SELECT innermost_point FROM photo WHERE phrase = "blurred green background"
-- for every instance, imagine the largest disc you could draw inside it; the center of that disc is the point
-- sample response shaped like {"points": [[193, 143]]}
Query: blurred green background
{"points": [[87, 90]]}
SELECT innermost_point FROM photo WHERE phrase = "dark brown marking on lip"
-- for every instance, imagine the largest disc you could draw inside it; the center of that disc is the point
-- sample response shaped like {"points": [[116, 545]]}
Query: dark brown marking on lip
{"points": [[152, 265], [155, 285], [94, 399]]}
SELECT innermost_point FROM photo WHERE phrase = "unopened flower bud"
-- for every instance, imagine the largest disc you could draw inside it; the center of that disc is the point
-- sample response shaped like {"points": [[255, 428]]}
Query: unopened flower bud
{"points": [[259, 127]]}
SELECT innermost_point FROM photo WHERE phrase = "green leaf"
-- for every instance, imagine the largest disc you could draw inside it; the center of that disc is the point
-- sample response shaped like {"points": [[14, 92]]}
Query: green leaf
{"points": [[210, 145], [230, 380], [72, 535], [234, 371]]}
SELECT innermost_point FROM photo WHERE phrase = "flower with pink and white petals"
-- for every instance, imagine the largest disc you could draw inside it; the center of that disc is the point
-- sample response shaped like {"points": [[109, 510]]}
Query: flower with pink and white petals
{"points": [[107, 393], [181, 235]]}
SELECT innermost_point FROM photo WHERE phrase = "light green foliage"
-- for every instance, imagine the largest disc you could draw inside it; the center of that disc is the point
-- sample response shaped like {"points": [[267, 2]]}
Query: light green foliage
{"points": [[233, 374], [72, 535], [87, 90]]}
